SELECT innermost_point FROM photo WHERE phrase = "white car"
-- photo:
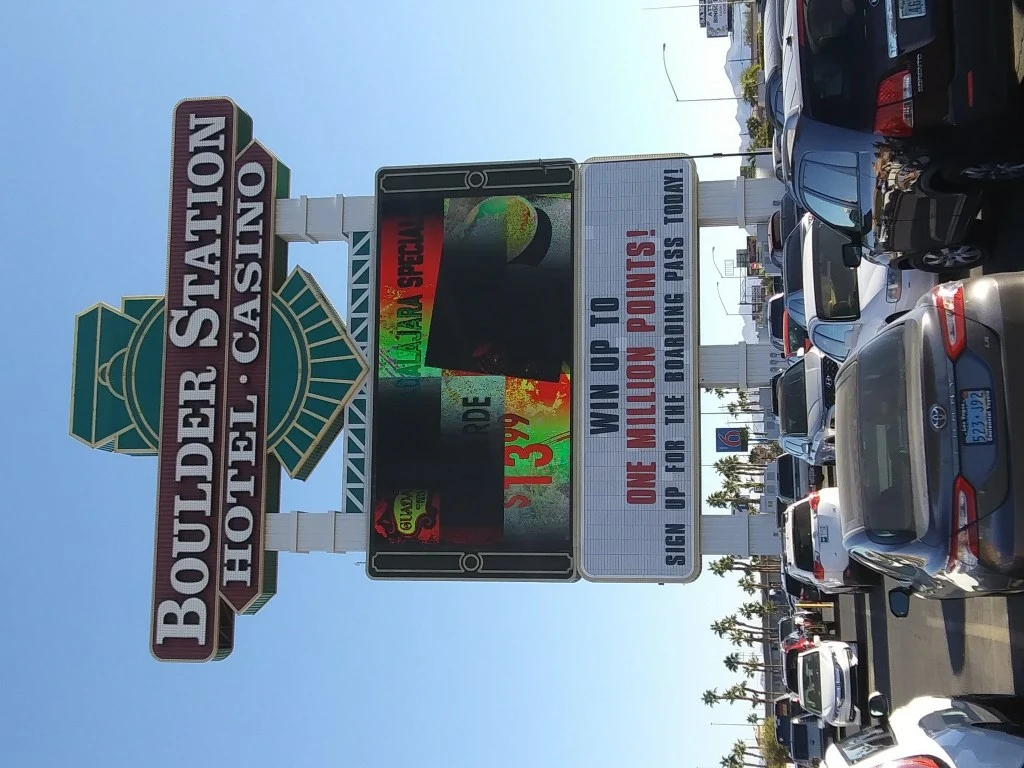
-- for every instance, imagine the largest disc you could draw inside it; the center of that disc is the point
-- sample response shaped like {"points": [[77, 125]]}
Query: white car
{"points": [[813, 550], [827, 682], [805, 393], [845, 306], [936, 732]]}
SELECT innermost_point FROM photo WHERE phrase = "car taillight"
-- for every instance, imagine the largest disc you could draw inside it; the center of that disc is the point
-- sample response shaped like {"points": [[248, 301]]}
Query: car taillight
{"points": [[963, 538], [813, 500], [921, 761], [801, 31], [949, 298], [819, 570], [894, 107]]}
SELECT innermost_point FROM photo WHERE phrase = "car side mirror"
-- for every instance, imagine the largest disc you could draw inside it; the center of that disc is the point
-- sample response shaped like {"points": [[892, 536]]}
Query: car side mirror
{"points": [[851, 255], [899, 602], [816, 640], [878, 705]]}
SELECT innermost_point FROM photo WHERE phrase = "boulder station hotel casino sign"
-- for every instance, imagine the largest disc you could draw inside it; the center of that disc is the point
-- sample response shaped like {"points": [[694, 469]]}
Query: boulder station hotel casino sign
{"points": [[240, 370]]}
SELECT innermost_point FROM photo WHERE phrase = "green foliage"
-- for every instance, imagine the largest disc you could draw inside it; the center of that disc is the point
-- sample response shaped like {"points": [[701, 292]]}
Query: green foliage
{"points": [[749, 81], [760, 131], [774, 754]]}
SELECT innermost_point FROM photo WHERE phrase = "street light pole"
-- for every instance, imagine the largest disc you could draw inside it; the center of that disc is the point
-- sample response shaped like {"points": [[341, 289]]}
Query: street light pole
{"points": [[721, 301], [664, 63]]}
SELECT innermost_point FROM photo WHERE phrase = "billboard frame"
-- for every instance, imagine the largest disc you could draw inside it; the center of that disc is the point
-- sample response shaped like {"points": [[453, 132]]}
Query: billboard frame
{"points": [[579, 402], [373, 319]]}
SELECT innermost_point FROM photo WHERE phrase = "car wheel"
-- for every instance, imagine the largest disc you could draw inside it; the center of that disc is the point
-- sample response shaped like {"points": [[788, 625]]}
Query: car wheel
{"points": [[948, 259], [993, 172]]}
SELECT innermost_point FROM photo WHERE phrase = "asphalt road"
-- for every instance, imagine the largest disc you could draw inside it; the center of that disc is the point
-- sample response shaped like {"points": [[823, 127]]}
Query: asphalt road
{"points": [[942, 647]]}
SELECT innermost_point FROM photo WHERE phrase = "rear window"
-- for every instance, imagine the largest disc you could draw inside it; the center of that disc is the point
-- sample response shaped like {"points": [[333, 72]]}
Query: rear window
{"points": [[792, 262], [787, 480], [795, 338], [793, 400], [875, 474], [835, 284], [800, 747], [776, 310], [802, 537], [775, 231], [834, 70]]}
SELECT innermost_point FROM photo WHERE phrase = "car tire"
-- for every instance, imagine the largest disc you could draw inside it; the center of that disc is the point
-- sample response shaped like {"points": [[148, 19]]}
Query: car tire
{"points": [[949, 259]]}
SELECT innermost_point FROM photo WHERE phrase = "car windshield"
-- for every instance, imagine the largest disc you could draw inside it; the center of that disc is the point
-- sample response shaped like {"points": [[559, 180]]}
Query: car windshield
{"points": [[792, 396], [865, 744], [873, 448], [834, 51], [835, 285], [811, 698], [801, 538]]}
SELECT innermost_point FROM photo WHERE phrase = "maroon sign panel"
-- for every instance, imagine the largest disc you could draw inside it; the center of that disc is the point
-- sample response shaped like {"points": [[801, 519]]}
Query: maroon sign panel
{"points": [[187, 624], [246, 376]]}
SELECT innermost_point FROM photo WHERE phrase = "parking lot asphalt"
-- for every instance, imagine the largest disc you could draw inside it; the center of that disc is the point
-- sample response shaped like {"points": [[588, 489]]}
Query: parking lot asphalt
{"points": [[942, 647]]}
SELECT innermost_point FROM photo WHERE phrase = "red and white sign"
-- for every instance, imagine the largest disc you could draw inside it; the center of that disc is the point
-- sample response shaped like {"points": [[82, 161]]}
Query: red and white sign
{"points": [[637, 434]]}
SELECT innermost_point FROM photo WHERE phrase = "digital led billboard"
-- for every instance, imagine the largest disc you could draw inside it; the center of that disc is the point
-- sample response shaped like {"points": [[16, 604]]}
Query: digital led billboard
{"points": [[470, 447]]}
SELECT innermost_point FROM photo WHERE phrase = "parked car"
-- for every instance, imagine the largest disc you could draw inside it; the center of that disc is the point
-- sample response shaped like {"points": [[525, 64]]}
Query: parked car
{"points": [[827, 681], [845, 305], [775, 309], [802, 734], [806, 392], [881, 139], [813, 546], [924, 462], [936, 732], [793, 276], [780, 225], [771, 60]]}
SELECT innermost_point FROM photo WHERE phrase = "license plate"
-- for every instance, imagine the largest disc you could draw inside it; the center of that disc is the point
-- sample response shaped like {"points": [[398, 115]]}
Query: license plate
{"points": [[912, 9], [976, 416]]}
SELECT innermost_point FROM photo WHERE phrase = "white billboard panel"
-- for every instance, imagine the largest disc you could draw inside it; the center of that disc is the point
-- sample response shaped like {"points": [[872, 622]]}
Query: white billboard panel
{"points": [[717, 19], [636, 433]]}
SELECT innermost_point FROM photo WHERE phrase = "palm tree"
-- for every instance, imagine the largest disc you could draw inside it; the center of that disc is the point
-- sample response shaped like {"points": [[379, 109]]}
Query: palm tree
{"points": [[750, 585], [732, 662], [727, 497], [764, 453], [722, 627], [716, 391], [724, 564], [711, 697], [759, 609], [754, 719], [740, 692]]}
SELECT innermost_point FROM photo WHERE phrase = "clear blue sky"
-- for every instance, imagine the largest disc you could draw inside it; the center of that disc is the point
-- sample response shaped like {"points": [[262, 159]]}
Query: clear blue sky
{"points": [[336, 670]]}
